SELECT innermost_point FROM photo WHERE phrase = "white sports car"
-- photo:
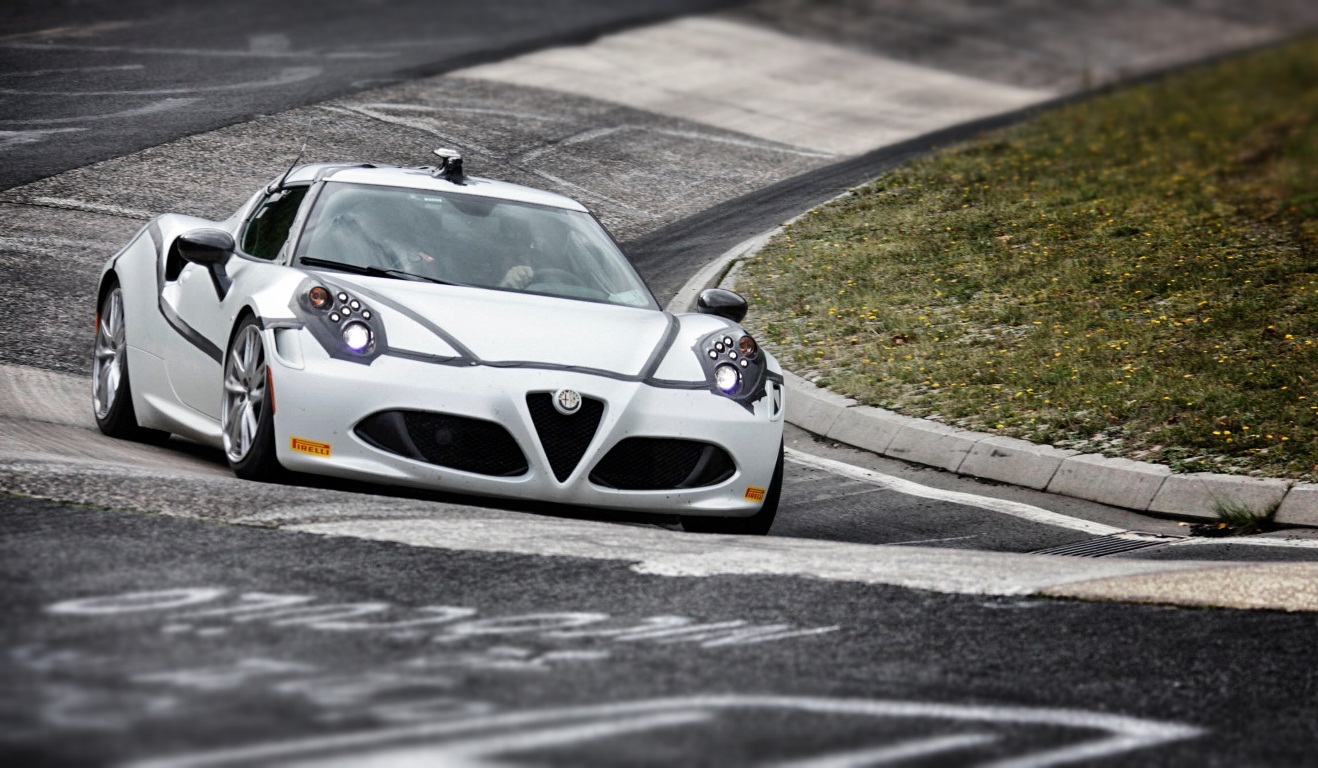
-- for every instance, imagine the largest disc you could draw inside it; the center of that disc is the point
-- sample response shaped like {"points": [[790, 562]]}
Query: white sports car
{"points": [[418, 327]]}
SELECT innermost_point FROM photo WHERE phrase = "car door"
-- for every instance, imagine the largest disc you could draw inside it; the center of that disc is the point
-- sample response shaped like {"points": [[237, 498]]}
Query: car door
{"points": [[205, 306]]}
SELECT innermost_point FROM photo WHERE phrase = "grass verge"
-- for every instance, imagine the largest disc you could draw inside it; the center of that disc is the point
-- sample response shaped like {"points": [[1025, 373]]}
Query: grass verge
{"points": [[1135, 275], [1242, 520]]}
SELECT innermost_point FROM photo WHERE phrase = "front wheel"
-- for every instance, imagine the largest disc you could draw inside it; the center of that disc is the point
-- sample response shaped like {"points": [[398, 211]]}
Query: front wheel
{"points": [[757, 524], [247, 411], [112, 394]]}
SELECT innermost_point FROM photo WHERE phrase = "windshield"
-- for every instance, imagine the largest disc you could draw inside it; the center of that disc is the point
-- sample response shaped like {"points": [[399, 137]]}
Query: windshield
{"points": [[468, 240]]}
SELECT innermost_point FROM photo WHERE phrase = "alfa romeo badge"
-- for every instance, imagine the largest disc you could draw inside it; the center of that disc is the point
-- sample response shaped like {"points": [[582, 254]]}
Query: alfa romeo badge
{"points": [[567, 401]]}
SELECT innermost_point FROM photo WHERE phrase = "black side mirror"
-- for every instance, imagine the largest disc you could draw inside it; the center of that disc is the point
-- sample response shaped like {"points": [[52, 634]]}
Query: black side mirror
{"points": [[206, 247], [209, 248], [717, 301]]}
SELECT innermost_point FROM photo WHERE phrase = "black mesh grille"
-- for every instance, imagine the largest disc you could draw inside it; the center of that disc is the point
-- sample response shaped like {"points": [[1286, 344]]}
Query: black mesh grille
{"points": [[656, 463], [456, 442], [565, 438]]}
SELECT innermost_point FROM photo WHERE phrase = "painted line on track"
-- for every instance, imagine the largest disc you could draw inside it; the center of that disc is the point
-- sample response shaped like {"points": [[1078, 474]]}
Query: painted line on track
{"points": [[1014, 508], [286, 76], [1261, 541], [467, 740]]}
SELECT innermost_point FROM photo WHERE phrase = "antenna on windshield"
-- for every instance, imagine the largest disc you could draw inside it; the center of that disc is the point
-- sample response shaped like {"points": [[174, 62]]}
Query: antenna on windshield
{"points": [[280, 184]]}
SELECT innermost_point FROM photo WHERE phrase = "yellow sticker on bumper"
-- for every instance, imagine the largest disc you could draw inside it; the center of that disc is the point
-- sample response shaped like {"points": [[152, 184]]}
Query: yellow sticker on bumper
{"points": [[310, 446], [754, 494]]}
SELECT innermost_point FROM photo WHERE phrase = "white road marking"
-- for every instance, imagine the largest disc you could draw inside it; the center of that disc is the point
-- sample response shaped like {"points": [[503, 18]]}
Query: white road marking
{"points": [[66, 70], [205, 52], [931, 541], [53, 245], [286, 76], [10, 139], [89, 207], [1249, 541], [164, 105], [496, 735], [1014, 508], [85, 30], [483, 750], [893, 753]]}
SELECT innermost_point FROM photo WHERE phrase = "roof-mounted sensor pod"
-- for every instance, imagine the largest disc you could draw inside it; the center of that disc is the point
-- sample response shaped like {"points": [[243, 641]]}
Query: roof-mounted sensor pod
{"points": [[450, 165]]}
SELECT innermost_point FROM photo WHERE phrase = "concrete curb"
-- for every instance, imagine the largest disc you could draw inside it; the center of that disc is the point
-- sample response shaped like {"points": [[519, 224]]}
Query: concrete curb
{"points": [[1135, 485]]}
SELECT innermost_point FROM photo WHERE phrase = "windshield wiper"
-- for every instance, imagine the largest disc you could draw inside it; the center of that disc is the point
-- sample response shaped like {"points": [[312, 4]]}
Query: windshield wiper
{"points": [[374, 271]]}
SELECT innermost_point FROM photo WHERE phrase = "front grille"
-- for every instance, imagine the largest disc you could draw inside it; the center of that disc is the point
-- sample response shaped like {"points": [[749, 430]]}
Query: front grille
{"points": [[564, 438], [660, 463], [456, 442]]}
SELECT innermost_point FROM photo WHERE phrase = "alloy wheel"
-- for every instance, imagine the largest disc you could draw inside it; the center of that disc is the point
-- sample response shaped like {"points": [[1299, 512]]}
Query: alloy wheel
{"points": [[108, 363], [244, 392]]}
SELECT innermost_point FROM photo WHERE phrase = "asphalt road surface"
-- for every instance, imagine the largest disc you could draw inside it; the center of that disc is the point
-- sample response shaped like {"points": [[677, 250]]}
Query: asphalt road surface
{"points": [[153, 641], [136, 637], [102, 79]]}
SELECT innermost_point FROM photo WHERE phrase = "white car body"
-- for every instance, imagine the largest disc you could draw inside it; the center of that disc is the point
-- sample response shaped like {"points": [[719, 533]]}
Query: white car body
{"points": [[460, 352]]}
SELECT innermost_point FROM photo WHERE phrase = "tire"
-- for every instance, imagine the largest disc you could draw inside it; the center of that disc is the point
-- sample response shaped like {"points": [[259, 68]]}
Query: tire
{"points": [[112, 392], [246, 420], [757, 524]]}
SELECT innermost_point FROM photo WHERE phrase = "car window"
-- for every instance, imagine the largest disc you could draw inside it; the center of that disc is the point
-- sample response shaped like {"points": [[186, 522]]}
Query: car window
{"points": [[471, 240], [267, 229]]}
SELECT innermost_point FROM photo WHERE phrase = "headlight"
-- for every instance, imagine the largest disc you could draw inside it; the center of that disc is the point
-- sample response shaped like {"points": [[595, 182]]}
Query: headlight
{"points": [[344, 325], [734, 365], [727, 378], [358, 338]]}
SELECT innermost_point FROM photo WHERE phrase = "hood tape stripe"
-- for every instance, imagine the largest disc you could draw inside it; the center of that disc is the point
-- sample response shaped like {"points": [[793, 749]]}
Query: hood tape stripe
{"points": [[661, 349], [467, 358], [457, 346]]}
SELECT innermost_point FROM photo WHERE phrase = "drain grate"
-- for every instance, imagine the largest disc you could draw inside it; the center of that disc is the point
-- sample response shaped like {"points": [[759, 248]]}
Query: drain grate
{"points": [[1109, 545]]}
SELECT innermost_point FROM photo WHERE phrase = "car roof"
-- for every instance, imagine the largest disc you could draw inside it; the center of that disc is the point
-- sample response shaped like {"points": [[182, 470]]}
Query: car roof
{"points": [[422, 179]]}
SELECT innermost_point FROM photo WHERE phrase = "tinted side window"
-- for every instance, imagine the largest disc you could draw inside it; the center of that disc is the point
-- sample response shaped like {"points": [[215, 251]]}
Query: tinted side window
{"points": [[267, 230]]}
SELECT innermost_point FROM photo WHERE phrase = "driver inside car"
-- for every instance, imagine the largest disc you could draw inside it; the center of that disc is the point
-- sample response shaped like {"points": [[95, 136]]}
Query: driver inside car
{"points": [[519, 254]]}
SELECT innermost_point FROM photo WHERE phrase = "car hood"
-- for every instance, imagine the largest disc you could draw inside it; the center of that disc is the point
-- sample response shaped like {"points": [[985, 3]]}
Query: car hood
{"points": [[502, 326]]}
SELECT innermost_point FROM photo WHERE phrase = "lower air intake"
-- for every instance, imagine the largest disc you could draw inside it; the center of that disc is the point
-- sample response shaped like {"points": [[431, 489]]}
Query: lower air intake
{"points": [[564, 438], [657, 464], [456, 442]]}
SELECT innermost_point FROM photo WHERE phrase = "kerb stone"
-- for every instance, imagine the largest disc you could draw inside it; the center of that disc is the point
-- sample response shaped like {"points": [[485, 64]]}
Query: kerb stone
{"points": [[1018, 462], [1200, 494], [931, 443], [1118, 482], [869, 428], [1300, 506], [812, 408]]}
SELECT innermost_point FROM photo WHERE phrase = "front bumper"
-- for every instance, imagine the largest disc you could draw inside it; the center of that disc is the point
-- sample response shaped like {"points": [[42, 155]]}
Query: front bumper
{"points": [[319, 401]]}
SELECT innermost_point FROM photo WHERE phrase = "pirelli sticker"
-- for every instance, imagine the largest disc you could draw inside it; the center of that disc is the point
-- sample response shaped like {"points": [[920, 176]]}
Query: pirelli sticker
{"points": [[302, 445], [754, 494]]}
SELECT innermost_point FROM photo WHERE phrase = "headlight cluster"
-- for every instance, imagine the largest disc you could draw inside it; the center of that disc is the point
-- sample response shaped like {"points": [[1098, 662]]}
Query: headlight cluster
{"points": [[734, 365], [343, 324]]}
